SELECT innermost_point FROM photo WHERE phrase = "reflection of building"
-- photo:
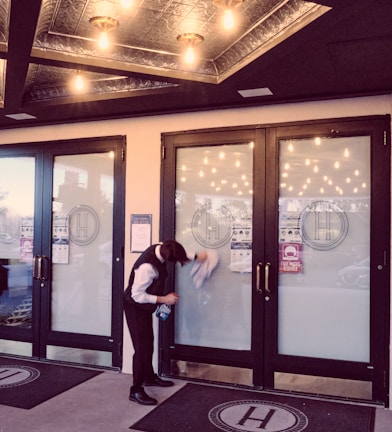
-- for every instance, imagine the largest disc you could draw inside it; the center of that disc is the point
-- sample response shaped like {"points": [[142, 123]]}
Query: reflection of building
{"points": [[9, 227], [15, 292]]}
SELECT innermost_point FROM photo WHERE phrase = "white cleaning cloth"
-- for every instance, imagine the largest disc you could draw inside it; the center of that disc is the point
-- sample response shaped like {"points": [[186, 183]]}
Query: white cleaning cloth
{"points": [[202, 270]]}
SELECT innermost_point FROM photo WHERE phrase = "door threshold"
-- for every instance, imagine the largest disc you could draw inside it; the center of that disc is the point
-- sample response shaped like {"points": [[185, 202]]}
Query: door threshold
{"points": [[321, 397], [61, 363]]}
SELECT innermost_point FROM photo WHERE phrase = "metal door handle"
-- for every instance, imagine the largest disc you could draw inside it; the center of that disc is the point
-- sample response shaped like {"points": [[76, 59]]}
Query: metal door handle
{"points": [[38, 267], [35, 267], [44, 275], [266, 277], [258, 277]]}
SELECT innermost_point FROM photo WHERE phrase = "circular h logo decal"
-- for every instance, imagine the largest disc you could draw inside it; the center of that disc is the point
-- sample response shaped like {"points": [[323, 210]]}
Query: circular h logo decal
{"points": [[211, 227], [324, 225], [256, 415], [83, 225]]}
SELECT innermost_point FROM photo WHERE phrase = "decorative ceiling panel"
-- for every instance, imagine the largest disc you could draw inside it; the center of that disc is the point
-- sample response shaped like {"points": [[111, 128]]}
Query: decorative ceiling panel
{"points": [[145, 40], [48, 85]]}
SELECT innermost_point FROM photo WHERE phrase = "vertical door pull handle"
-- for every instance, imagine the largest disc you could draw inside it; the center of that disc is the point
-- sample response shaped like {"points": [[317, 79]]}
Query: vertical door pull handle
{"points": [[41, 267], [258, 277], [44, 271], [266, 277], [35, 276], [39, 275]]}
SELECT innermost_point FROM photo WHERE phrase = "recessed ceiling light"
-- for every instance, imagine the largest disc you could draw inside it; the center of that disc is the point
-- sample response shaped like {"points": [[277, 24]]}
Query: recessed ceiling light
{"points": [[264, 91], [20, 116]]}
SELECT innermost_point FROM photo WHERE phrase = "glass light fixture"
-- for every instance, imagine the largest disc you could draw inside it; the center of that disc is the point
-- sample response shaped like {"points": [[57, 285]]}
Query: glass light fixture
{"points": [[228, 7], [104, 25], [190, 40]]}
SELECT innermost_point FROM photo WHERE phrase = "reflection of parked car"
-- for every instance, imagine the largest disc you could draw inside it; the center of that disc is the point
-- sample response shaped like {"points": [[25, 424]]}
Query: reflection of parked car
{"points": [[357, 274]]}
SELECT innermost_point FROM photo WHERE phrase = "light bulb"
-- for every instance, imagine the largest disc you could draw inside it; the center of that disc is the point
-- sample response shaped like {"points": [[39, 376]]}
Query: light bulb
{"points": [[79, 83], [228, 19], [103, 41], [126, 3], [104, 24], [189, 55]]}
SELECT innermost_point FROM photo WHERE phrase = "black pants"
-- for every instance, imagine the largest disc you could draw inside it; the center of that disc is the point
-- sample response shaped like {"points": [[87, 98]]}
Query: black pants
{"points": [[140, 327]]}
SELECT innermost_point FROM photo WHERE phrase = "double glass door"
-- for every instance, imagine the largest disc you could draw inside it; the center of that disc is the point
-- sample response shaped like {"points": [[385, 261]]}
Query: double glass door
{"points": [[297, 216], [59, 250]]}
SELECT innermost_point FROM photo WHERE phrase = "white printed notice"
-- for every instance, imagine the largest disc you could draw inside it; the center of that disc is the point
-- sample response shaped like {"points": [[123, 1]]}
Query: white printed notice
{"points": [[140, 232], [27, 240], [241, 247], [60, 240]]}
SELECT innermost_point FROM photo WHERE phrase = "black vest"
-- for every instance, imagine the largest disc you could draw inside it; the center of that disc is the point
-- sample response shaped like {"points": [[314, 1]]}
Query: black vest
{"points": [[156, 287]]}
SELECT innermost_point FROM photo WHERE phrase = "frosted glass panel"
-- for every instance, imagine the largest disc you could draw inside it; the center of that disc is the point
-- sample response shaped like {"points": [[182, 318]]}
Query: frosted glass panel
{"points": [[214, 211], [82, 243], [324, 240], [17, 196]]}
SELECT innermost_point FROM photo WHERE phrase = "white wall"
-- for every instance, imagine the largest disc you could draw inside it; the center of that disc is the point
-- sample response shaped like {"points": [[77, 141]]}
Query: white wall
{"points": [[144, 140]]}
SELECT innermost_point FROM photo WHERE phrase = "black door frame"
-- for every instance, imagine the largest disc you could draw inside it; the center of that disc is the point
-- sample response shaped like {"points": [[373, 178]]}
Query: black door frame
{"points": [[377, 371], [167, 348], [40, 335]]}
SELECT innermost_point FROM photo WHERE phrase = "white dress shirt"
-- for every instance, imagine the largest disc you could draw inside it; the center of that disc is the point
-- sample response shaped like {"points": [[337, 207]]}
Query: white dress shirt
{"points": [[144, 276]]}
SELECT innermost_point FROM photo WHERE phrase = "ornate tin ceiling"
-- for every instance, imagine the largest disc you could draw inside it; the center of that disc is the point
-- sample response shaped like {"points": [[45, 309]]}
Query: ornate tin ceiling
{"points": [[146, 38], [281, 51], [145, 41]]}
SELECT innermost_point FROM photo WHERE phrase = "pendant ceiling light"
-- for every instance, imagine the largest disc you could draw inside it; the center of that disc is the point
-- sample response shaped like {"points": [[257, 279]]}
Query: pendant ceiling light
{"points": [[104, 25], [190, 40], [228, 15]]}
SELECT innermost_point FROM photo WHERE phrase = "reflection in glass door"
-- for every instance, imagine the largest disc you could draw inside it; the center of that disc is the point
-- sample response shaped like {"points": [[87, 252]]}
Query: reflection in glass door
{"points": [[82, 231], [324, 243], [17, 200], [214, 211]]}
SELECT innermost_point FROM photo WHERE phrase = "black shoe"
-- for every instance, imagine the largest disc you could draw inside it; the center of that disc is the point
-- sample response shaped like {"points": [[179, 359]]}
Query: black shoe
{"points": [[158, 382], [142, 397]]}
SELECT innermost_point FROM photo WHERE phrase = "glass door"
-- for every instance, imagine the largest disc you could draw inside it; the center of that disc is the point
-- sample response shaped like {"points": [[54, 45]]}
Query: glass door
{"points": [[299, 300], [327, 266], [76, 256], [214, 211]]}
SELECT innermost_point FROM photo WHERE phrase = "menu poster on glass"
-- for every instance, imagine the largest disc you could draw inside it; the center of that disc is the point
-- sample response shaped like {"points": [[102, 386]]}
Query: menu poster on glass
{"points": [[140, 232]]}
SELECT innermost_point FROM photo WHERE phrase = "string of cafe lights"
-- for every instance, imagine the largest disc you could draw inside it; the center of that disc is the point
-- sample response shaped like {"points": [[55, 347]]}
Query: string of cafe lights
{"points": [[232, 179], [321, 178]]}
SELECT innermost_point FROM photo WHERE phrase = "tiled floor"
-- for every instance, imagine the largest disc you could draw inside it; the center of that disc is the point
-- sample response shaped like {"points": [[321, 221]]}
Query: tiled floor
{"points": [[101, 405]]}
